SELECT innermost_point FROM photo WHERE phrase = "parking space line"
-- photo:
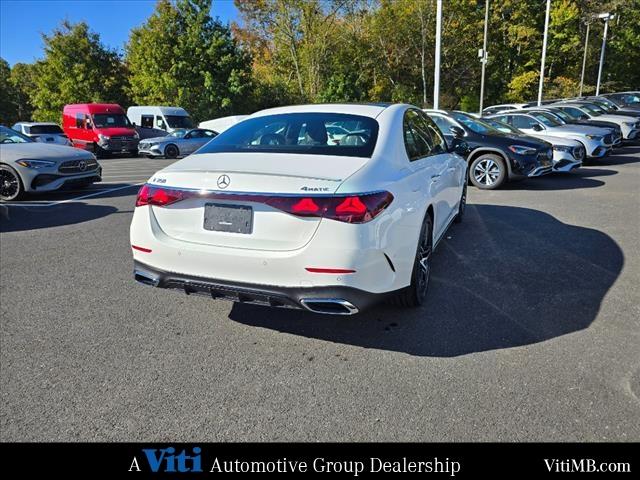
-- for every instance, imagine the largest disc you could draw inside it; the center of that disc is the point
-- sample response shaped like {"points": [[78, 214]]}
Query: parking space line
{"points": [[82, 197]]}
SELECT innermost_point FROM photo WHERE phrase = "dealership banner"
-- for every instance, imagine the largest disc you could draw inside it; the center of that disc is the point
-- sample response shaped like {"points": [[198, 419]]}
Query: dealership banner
{"points": [[454, 460]]}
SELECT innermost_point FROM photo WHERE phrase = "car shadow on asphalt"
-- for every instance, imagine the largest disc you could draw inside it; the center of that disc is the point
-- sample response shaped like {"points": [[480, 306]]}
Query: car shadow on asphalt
{"points": [[627, 155], [585, 177], [505, 277], [15, 219]]}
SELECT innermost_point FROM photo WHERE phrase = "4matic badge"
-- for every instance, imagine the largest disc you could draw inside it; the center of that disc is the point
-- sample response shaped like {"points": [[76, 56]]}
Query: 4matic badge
{"points": [[315, 189]]}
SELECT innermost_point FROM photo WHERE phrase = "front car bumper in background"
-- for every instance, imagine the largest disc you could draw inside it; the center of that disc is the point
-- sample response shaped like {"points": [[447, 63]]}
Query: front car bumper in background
{"points": [[55, 177], [564, 161], [528, 166], [153, 149], [119, 144]]}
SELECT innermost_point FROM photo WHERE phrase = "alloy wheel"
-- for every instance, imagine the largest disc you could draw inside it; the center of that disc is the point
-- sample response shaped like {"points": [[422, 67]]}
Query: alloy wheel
{"points": [[424, 265], [487, 171], [9, 185]]}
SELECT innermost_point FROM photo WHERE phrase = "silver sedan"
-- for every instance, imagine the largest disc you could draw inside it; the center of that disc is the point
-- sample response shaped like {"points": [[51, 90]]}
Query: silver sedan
{"points": [[28, 166], [179, 143]]}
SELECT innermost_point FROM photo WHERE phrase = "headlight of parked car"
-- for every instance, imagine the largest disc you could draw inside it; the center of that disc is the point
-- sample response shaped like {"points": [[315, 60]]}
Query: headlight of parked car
{"points": [[136, 136], [594, 137], [35, 164], [104, 138], [562, 148], [522, 150]]}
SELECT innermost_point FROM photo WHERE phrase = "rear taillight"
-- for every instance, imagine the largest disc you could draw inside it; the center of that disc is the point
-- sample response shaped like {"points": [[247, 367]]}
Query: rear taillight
{"points": [[357, 208], [158, 196]]}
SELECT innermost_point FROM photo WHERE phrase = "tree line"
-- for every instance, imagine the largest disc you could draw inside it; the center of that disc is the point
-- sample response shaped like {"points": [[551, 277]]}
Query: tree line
{"points": [[292, 51]]}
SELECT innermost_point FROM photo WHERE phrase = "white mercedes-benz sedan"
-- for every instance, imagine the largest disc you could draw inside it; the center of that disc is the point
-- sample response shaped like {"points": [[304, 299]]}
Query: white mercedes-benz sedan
{"points": [[276, 211]]}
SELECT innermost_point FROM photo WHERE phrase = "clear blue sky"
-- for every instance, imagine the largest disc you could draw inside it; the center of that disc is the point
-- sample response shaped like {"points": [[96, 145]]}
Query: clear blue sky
{"points": [[23, 21]]}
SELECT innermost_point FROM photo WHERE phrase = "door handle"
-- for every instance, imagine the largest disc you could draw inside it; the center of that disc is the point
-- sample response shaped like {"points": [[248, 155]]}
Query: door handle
{"points": [[451, 169], [434, 178]]}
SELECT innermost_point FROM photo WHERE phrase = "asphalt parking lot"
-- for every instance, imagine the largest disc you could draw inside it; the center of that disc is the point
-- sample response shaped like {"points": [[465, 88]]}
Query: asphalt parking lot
{"points": [[530, 331]]}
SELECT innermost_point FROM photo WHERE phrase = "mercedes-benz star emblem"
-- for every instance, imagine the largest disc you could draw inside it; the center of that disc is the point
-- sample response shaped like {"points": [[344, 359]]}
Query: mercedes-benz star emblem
{"points": [[223, 181], [82, 165]]}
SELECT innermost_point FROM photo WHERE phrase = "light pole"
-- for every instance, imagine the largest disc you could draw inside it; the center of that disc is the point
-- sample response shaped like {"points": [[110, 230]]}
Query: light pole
{"points": [[544, 52], [436, 75], [606, 17], [484, 56], [584, 59]]}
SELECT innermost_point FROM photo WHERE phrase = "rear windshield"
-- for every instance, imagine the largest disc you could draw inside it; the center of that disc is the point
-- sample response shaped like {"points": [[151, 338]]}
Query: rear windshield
{"points": [[43, 129], [303, 133]]}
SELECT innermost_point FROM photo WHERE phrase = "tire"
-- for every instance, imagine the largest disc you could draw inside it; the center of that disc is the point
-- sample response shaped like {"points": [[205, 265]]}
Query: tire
{"points": [[586, 160], [10, 184], [171, 151], [415, 294], [488, 171], [463, 204]]}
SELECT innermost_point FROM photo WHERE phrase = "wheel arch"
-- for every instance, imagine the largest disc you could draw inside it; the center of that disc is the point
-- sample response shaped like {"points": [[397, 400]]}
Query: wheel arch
{"points": [[482, 150], [172, 144], [25, 187]]}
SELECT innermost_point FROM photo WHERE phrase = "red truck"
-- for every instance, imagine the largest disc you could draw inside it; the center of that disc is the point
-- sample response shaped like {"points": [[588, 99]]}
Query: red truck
{"points": [[102, 128]]}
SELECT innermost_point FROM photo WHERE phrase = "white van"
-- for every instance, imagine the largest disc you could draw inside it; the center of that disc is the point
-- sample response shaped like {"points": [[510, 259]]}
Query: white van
{"points": [[168, 119]]}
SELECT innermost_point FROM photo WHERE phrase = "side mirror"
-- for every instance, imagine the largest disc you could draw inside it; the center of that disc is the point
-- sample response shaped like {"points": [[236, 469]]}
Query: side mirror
{"points": [[459, 146], [457, 131], [537, 127]]}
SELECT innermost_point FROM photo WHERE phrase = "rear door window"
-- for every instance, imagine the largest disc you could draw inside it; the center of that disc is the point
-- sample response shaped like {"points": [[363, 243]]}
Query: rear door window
{"points": [[521, 121]]}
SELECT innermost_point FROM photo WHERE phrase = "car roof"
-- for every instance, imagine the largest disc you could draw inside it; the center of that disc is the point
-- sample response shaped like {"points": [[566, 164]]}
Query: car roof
{"points": [[364, 109], [94, 107], [161, 108], [33, 124]]}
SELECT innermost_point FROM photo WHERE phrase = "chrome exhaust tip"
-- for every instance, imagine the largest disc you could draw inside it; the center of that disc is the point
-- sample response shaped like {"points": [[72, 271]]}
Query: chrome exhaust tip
{"points": [[145, 278], [329, 306]]}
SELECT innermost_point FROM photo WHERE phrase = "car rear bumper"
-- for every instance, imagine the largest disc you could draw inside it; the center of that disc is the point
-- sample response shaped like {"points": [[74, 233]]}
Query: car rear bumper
{"points": [[373, 251], [333, 300]]}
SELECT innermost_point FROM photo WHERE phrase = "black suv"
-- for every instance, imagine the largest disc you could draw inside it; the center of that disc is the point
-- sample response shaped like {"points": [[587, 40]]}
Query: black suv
{"points": [[494, 157]]}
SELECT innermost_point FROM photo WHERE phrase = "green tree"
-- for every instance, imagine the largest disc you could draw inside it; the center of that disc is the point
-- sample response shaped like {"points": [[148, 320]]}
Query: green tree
{"points": [[8, 112], [181, 56], [23, 79], [77, 68]]}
